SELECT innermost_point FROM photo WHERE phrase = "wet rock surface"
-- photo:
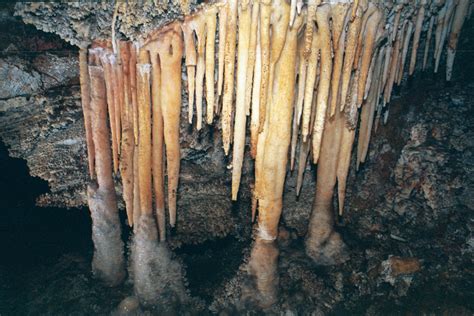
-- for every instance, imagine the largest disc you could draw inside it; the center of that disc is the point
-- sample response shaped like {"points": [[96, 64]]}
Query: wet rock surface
{"points": [[408, 221]]}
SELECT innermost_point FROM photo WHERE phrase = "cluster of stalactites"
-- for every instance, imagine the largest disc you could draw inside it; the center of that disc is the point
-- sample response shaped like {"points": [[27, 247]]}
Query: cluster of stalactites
{"points": [[300, 73], [143, 116]]}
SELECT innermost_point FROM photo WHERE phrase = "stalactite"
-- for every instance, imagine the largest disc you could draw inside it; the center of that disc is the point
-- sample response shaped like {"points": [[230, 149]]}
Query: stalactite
{"points": [[406, 43], [210, 16], [252, 53], [223, 15], [416, 36], [265, 22], [339, 18], [459, 17], [229, 69], [244, 11], [157, 145], [324, 38], [255, 113], [128, 144], [191, 62], [144, 131], [85, 100], [428, 42], [169, 46], [350, 52]]}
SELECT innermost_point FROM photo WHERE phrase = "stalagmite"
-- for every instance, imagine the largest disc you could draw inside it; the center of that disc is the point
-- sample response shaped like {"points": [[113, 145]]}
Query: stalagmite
{"points": [[229, 69], [323, 244], [324, 37], [210, 16], [128, 144], [144, 131], [273, 158], [85, 101], [416, 36], [458, 21], [428, 42], [108, 260], [240, 115]]}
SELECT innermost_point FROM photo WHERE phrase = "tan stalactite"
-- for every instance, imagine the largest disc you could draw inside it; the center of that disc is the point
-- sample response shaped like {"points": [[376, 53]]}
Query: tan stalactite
{"points": [[229, 69], [255, 113], [265, 22], [118, 100], [309, 67], [144, 131], [406, 43], [170, 50], [458, 21], [210, 16], [252, 53], [136, 189], [324, 37], [428, 42], [442, 30], [133, 89], [339, 18], [191, 62], [368, 8], [157, 145], [416, 36], [223, 14], [311, 72], [349, 54], [370, 37], [128, 144], [100, 132], [86, 110], [240, 115], [108, 60], [199, 26], [393, 67]]}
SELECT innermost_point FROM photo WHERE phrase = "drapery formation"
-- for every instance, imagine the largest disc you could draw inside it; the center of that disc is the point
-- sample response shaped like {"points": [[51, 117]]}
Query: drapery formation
{"points": [[302, 77]]}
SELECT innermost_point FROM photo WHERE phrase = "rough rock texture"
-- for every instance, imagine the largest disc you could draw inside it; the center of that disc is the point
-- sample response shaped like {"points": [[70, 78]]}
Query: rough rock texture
{"points": [[81, 22]]}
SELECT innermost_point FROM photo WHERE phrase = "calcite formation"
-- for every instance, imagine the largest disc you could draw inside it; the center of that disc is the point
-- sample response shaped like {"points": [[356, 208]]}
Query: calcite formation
{"points": [[307, 76]]}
